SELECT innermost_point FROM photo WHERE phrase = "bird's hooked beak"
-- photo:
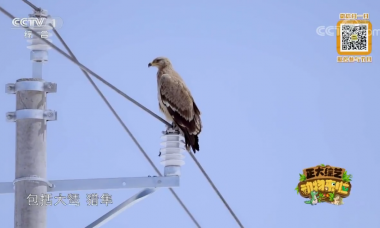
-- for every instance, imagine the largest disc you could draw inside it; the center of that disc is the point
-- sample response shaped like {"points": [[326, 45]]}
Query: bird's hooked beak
{"points": [[150, 64]]}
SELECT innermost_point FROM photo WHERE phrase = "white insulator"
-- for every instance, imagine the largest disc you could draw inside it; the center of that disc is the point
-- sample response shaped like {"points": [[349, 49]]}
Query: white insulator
{"points": [[37, 44], [34, 42], [173, 145]]}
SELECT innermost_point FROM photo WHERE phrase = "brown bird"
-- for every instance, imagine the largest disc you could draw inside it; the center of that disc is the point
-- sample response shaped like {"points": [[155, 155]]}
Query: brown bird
{"points": [[177, 103]]}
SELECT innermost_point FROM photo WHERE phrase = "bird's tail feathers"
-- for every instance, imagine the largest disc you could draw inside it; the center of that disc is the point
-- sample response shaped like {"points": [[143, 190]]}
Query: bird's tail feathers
{"points": [[190, 140]]}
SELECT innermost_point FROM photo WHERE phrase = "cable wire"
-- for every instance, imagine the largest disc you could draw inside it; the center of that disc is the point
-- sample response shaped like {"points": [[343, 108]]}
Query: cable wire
{"points": [[136, 103], [216, 190], [31, 5], [91, 72], [125, 127]]}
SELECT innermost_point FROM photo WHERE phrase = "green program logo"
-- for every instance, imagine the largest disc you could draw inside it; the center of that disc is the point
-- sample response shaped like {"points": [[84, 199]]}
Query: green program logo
{"points": [[324, 184]]}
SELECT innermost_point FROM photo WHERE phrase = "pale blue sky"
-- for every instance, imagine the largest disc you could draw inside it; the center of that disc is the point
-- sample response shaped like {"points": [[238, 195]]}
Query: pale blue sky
{"points": [[273, 100]]}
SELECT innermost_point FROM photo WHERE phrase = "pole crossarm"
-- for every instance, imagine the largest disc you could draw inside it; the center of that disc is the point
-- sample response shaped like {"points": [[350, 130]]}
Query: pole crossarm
{"points": [[100, 183]]}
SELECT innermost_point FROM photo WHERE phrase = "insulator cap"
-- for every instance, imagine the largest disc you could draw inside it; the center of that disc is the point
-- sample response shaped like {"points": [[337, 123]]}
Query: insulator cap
{"points": [[43, 31]]}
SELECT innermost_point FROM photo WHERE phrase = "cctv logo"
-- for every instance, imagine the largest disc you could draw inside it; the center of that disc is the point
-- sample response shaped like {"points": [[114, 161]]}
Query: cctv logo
{"points": [[30, 22]]}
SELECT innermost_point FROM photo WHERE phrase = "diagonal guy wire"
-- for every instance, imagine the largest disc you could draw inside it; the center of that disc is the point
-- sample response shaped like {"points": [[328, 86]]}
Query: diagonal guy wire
{"points": [[83, 67], [31, 5], [216, 190], [124, 126]]}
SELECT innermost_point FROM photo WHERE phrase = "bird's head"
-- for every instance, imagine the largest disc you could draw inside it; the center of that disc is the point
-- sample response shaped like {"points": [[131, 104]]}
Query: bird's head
{"points": [[160, 62]]}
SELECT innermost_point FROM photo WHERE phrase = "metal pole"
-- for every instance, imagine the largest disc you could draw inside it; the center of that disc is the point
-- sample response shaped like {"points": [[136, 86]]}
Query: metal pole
{"points": [[31, 143], [30, 161]]}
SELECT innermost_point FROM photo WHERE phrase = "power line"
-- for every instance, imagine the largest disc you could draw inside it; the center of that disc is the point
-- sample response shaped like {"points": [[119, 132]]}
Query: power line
{"points": [[136, 103], [31, 5], [216, 190], [125, 127], [91, 72]]}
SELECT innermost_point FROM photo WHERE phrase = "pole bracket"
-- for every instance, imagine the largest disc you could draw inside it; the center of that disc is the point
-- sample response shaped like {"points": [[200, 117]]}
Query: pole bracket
{"points": [[33, 178], [48, 115], [48, 87]]}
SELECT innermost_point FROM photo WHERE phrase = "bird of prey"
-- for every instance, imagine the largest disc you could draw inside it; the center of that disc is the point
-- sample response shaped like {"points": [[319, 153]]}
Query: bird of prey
{"points": [[177, 103]]}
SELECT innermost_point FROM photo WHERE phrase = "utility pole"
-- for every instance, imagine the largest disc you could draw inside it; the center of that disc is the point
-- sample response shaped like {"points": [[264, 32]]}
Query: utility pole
{"points": [[30, 117], [30, 160], [31, 187]]}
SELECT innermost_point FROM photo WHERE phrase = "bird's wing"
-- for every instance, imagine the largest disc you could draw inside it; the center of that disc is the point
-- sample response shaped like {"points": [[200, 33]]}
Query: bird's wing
{"points": [[176, 96]]}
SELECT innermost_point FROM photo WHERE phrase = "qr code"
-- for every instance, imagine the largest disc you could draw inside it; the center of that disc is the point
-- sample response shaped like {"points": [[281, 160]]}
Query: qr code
{"points": [[354, 37]]}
